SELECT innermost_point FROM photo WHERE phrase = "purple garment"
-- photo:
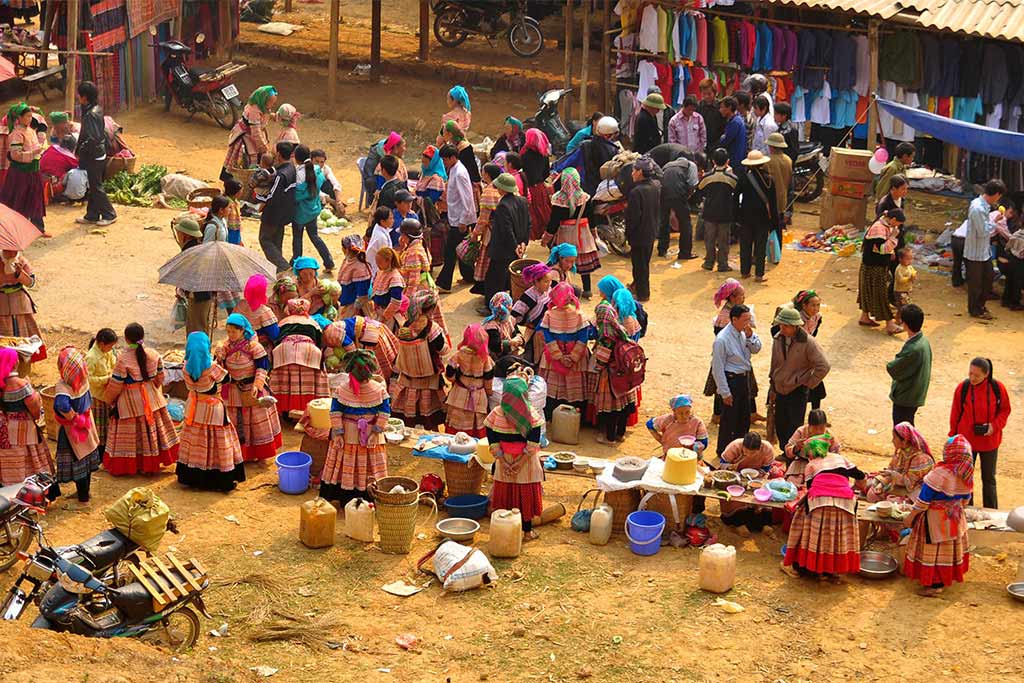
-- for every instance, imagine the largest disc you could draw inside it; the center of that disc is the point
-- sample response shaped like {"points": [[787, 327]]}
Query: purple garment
{"points": [[778, 47], [790, 60]]}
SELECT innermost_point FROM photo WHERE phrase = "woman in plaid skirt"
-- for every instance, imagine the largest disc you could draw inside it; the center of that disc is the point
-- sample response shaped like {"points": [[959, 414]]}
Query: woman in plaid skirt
{"points": [[566, 356], [418, 390], [255, 309], [78, 445], [355, 278], [470, 371], [364, 333], [211, 456], [359, 414], [298, 376], [257, 426], [100, 360], [249, 138], [415, 266], [568, 224], [17, 310], [23, 448], [824, 539], [140, 435]]}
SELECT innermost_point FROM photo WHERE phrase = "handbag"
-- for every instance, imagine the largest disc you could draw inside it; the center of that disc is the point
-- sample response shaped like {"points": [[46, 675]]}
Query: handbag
{"points": [[774, 249], [468, 251], [581, 518]]}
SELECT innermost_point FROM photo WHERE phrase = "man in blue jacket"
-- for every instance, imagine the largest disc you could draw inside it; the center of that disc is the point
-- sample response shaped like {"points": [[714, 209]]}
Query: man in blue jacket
{"points": [[734, 137]]}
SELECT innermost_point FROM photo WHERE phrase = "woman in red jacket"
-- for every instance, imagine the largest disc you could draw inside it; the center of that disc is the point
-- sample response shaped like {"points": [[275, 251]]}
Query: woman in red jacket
{"points": [[981, 406]]}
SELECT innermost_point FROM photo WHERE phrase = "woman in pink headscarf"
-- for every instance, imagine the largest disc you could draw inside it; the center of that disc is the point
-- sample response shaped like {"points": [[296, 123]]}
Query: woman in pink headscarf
{"points": [[908, 467], [255, 309], [470, 371], [23, 449], [393, 144], [566, 357], [535, 156]]}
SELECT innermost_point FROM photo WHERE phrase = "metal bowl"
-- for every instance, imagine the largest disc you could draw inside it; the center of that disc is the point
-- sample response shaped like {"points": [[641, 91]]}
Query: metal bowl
{"points": [[1016, 590], [458, 529], [749, 473], [877, 565]]}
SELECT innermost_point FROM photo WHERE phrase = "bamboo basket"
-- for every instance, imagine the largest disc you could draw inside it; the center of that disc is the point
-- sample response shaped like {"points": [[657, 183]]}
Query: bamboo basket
{"points": [[515, 270], [461, 479], [396, 524], [117, 164], [202, 197], [49, 394], [379, 490], [660, 503], [622, 503]]}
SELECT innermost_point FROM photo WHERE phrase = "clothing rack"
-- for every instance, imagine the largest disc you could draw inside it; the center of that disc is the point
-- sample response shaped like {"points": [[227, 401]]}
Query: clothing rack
{"points": [[767, 20]]}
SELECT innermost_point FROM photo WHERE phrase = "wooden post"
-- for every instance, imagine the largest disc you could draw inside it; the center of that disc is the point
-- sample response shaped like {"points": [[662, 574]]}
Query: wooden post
{"points": [[873, 83], [71, 67], [375, 43], [568, 58], [129, 72], [606, 56], [332, 58], [225, 38], [47, 34], [585, 59], [287, 5], [179, 22], [424, 30]]}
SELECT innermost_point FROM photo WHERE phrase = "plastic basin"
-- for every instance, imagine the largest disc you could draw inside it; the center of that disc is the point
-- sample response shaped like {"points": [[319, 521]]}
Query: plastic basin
{"points": [[293, 472], [471, 506]]}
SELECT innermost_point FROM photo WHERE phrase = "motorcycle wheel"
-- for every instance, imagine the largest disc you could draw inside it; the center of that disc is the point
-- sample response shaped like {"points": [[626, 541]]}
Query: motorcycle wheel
{"points": [[525, 38], [813, 190], [617, 235], [14, 538], [223, 113], [448, 27], [178, 632]]}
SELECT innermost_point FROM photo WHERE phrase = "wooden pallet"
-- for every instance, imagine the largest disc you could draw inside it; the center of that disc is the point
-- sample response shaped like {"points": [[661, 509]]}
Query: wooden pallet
{"points": [[169, 579]]}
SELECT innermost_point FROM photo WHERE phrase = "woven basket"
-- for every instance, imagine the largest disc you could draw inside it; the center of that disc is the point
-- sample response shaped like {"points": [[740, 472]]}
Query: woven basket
{"points": [[396, 525], [622, 503], [49, 394], [117, 164], [379, 490], [515, 271], [243, 175], [660, 502], [202, 197], [462, 479]]}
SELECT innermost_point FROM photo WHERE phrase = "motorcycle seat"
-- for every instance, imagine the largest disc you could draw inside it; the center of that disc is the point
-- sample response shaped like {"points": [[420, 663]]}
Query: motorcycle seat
{"points": [[807, 146], [131, 595], [106, 549], [5, 505]]}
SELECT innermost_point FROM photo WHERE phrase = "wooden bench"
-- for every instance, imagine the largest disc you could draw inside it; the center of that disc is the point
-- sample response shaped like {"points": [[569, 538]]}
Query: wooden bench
{"points": [[40, 79]]}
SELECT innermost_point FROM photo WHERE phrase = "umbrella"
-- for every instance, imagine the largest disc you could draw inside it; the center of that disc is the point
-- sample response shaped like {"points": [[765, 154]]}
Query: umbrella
{"points": [[16, 231], [215, 267]]}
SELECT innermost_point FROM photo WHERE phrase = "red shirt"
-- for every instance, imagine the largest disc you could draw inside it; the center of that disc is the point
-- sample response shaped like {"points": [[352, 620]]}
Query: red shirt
{"points": [[978, 406]]}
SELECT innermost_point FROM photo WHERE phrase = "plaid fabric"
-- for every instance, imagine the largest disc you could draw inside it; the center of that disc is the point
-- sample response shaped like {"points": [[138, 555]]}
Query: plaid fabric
{"points": [[527, 498], [100, 418], [539, 198], [411, 402], [247, 138], [145, 13], [134, 446], [109, 23], [460, 420], [937, 563], [297, 350], [210, 447], [352, 466], [240, 365], [873, 291], [824, 540], [295, 386], [414, 358], [69, 467], [588, 262], [214, 267], [18, 325], [259, 431], [415, 265], [19, 462]]}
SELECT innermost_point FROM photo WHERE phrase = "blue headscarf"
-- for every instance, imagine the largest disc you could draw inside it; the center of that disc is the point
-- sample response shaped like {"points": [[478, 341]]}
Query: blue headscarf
{"points": [[321, 320], [459, 94], [304, 262], [608, 285], [239, 320], [563, 250], [435, 167], [681, 401], [624, 303], [500, 305], [197, 354]]}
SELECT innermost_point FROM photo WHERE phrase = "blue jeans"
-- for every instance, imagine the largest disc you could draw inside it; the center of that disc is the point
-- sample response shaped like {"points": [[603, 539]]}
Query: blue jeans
{"points": [[321, 248]]}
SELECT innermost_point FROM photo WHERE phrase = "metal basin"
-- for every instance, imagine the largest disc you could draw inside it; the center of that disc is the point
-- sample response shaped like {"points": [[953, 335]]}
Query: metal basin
{"points": [[458, 529], [1016, 590], [877, 565]]}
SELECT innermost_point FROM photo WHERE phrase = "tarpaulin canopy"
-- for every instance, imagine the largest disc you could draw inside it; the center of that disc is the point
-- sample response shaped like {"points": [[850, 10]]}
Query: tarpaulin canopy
{"points": [[971, 136]]}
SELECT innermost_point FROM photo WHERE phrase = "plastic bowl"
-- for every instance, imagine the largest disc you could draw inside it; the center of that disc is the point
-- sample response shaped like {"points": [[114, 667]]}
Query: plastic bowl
{"points": [[735, 490], [763, 495], [750, 473], [470, 506], [458, 529], [394, 437]]}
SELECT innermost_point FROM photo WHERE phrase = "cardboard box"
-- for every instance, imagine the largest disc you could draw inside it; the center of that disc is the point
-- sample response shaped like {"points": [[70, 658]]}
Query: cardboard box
{"points": [[842, 211], [850, 164], [854, 189]]}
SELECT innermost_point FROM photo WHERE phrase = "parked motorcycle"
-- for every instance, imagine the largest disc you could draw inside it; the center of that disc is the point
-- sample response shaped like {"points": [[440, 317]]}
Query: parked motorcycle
{"points": [[612, 229], [198, 90], [456, 20], [808, 176], [549, 121], [20, 507]]}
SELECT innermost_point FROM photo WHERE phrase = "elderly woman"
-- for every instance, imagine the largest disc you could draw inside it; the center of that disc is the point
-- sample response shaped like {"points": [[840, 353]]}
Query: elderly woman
{"points": [[514, 433], [795, 452], [249, 138], [359, 413], [17, 310], [288, 116], [500, 326], [528, 311], [297, 377], [511, 138], [79, 451], [211, 456], [569, 225], [254, 308], [470, 371], [937, 550], [248, 366], [535, 160], [911, 461], [680, 428], [566, 357], [23, 450], [879, 250], [418, 389], [459, 110], [23, 188]]}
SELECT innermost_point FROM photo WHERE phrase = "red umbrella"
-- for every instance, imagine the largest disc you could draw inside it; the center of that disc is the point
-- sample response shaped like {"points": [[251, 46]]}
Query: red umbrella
{"points": [[16, 231]]}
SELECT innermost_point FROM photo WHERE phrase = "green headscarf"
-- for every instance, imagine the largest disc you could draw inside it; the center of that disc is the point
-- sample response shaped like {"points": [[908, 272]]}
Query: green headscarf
{"points": [[14, 113], [456, 132], [515, 404], [260, 96], [58, 117], [817, 446]]}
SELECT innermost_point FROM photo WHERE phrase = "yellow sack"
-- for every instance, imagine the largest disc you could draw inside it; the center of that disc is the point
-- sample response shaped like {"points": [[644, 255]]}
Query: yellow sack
{"points": [[141, 516]]}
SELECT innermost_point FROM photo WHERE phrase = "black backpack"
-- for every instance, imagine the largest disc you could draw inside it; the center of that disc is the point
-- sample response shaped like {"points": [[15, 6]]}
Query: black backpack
{"points": [[965, 385]]}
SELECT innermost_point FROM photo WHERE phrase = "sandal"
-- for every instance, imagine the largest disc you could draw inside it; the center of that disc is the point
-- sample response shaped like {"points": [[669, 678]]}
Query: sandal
{"points": [[870, 323]]}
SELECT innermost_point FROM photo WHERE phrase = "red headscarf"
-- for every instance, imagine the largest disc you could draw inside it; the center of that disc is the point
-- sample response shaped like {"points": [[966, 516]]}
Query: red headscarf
{"points": [[954, 476], [475, 337], [537, 141]]}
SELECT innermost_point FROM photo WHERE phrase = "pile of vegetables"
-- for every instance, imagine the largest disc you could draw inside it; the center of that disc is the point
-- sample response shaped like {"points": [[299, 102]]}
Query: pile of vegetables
{"points": [[332, 359], [837, 238], [135, 189], [326, 219], [331, 290]]}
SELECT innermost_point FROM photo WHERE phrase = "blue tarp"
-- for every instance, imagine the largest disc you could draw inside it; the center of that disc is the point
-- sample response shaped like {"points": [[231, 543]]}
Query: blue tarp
{"points": [[971, 136]]}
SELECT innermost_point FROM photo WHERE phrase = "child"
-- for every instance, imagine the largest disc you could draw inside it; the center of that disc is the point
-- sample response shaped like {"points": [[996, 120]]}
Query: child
{"points": [[288, 116], [379, 236], [233, 192], [335, 201], [263, 178], [680, 428], [354, 277], [216, 230], [100, 360], [906, 275], [418, 389], [388, 289], [470, 371]]}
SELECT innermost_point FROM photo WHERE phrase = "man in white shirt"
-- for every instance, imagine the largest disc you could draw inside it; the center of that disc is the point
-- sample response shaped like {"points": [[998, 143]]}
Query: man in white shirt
{"points": [[461, 216], [319, 158], [978, 248]]}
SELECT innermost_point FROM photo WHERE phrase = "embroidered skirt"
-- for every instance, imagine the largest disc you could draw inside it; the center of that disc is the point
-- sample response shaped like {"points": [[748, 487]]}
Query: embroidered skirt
{"points": [[19, 462], [352, 466], [23, 191], [936, 563], [568, 388], [134, 446], [527, 498], [873, 291], [258, 430], [101, 418], [294, 386], [824, 540], [69, 467], [411, 403], [539, 198]]}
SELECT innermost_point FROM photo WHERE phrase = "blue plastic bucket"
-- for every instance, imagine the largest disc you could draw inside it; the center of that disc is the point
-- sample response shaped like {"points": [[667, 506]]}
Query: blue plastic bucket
{"points": [[293, 471], [644, 529]]}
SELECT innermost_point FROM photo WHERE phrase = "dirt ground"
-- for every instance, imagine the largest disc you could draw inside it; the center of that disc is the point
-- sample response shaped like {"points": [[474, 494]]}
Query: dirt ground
{"points": [[564, 610]]}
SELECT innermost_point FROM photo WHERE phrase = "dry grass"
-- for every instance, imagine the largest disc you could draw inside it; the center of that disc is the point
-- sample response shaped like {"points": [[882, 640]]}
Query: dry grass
{"points": [[263, 591], [310, 630]]}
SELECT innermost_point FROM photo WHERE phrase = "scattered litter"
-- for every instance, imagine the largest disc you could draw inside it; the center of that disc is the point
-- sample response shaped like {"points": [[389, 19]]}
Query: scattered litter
{"points": [[449, 637], [333, 645], [221, 631], [407, 641], [279, 28], [233, 520], [383, 671], [403, 589], [728, 606], [616, 640], [265, 671], [97, 231], [872, 431], [141, 297], [421, 537], [257, 553], [676, 266], [212, 648], [362, 70], [306, 591], [152, 227]]}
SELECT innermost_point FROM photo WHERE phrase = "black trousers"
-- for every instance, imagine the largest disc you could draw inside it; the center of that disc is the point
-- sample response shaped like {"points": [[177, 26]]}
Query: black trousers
{"points": [[98, 205], [314, 237], [614, 423], [988, 477], [451, 259], [903, 414], [640, 255], [681, 208], [789, 414], [753, 248], [979, 284], [957, 245], [1014, 280], [272, 244], [497, 279], [735, 422]]}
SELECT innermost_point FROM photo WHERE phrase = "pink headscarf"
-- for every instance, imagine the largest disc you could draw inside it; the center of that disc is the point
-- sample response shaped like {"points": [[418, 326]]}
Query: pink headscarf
{"points": [[909, 433], [532, 274], [726, 290], [8, 364], [256, 291], [392, 142], [563, 294], [475, 337], [537, 141]]}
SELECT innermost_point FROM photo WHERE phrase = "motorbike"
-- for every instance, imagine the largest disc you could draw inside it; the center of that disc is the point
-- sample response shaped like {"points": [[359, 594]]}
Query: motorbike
{"points": [[456, 20], [198, 90], [548, 120], [808, 176], [20, 506], [612, 230]]}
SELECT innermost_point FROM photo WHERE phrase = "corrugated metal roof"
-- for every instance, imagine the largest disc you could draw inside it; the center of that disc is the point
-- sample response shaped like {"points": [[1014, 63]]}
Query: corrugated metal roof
{"points": [[1000, 19]]}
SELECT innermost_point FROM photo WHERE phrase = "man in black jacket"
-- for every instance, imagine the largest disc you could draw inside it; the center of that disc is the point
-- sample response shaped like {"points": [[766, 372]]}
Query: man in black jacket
{"points": [[678, 180], [718, 212], [92, 157], [782, 118], [279, 207], [392, 184], [510, 233], [596, 151], [648, 133], [643, 217], [757, 214]]}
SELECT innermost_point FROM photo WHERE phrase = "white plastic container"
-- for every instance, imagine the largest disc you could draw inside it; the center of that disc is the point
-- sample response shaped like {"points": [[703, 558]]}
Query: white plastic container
{"points": [[359, 520], [601, 524], [565, 424], [717, 568], [506, 533]]}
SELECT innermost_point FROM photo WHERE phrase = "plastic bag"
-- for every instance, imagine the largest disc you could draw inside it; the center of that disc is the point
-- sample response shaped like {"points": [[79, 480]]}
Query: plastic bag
{"points": [[774, 248], [476, 571], [141, 516]]}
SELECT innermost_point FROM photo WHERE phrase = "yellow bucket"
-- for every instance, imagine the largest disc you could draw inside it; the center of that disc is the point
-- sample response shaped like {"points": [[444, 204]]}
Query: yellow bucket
{"points": [[320, 413]]}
